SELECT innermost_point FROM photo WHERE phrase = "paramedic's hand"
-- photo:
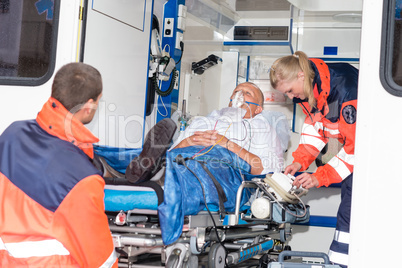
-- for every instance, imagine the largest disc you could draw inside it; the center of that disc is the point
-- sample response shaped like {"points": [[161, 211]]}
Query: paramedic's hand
{"points": [[306, 180], [292, 168]]}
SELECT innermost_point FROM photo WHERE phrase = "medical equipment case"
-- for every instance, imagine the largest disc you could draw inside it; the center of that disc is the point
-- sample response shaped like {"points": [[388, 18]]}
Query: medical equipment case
{"points": [[281, 263]]}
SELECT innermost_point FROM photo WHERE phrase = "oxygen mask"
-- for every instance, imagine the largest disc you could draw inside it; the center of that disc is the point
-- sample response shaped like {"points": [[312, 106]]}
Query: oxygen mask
{"points": [[238, 99]]}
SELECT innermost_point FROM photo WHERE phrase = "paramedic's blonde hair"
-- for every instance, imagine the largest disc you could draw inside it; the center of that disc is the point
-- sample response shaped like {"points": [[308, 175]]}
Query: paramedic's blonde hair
{"points": [[287, 69]]}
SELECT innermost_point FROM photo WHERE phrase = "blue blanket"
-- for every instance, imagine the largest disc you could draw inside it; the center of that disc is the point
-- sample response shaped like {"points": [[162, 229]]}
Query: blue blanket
{"points": [[117, 158], [184, 194]]}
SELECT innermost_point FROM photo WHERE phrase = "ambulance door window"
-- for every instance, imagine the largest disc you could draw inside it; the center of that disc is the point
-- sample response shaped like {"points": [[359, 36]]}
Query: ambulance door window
{"points": [[27, 41]]}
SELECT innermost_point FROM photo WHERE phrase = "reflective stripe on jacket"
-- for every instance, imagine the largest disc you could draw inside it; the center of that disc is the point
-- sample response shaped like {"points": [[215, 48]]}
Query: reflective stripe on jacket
{"points": [[335, 88]]}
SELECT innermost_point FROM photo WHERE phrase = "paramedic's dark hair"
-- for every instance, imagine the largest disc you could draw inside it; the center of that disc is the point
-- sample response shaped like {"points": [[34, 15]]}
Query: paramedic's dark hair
{"points": [[76, 83]]}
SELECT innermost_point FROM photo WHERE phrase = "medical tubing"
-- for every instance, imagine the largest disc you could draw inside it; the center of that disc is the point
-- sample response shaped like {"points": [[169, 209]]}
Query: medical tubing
{"points": [[251, 133], [164, 106], [289, 198], [224, 161], [182, 49], [198, 152], [171, 86], [214, 144], [235, 164], [291, 213], [209, 148], [219, 189], [205, 147], [182, 161], [245, 136]]}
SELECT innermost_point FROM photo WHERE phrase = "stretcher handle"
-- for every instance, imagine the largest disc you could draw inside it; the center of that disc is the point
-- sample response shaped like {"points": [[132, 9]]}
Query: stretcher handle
{"points": [[289, 253]]}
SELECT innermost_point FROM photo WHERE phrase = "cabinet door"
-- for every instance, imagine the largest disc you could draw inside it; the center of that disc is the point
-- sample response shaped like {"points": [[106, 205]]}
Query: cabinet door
{"points": [[128, 12], [120, 52]]}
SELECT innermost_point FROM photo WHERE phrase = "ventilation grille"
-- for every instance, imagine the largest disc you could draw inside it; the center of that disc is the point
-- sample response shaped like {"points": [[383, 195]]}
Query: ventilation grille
{"points": [[261, 32], [262, 5]]}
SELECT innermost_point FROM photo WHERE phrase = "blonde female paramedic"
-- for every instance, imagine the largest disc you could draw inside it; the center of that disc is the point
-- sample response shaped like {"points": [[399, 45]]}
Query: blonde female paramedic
{"points": [[327, 94]]}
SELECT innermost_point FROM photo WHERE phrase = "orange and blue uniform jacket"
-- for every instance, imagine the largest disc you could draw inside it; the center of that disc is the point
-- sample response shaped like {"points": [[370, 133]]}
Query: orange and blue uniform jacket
{"points": [[51, 196], [335, 89]]}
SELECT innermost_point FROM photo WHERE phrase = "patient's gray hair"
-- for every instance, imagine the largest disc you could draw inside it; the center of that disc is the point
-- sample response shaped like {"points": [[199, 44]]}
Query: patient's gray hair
{"points": [[261, 97]]}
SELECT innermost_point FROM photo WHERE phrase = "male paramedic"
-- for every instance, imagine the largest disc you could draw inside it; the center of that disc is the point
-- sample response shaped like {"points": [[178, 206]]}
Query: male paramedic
{"points": [[51, 195], [240, 128]]}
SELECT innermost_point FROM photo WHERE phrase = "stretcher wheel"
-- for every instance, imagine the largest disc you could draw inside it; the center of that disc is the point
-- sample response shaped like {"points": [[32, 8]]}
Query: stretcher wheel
{"points": [[285, 234], [216, 256], [192, 262], [173, 261]]}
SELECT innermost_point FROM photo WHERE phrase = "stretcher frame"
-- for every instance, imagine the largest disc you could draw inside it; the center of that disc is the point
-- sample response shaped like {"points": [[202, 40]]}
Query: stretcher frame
{"points": [[242, 235]]}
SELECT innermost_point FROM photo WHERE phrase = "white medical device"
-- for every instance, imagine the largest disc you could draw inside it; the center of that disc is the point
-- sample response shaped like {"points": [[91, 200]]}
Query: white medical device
{"points": [[279, 188], [283, 189]]}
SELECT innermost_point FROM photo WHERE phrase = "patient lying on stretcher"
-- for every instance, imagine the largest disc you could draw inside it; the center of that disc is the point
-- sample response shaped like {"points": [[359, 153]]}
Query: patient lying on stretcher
{"points": [[210, 160], [241, 129]]}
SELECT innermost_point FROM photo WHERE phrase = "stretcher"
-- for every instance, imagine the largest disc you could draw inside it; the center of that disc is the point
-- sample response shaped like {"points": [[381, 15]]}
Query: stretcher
{"points": [[203, 215], [215, 238], [231, 237]]}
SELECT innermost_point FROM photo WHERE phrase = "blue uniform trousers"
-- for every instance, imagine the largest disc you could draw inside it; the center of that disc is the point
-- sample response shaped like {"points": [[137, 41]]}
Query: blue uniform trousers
{"points": [[339, 249]]}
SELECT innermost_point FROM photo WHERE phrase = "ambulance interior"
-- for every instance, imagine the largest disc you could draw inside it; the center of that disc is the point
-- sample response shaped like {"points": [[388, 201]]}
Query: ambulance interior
{"points": [[220, 44], [329, 30]]}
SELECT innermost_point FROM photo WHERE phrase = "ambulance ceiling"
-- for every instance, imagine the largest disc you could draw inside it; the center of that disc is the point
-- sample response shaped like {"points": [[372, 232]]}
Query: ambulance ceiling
{"points": [[224, 14]]}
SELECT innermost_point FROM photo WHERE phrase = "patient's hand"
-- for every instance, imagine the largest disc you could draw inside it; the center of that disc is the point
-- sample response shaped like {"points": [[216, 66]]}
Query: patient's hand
{"points": [[208, 138], [203, 138]]}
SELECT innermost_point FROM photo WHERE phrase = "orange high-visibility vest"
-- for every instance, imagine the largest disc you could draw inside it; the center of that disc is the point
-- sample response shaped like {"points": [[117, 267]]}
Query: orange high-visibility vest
{"points": [[335, 89]]}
